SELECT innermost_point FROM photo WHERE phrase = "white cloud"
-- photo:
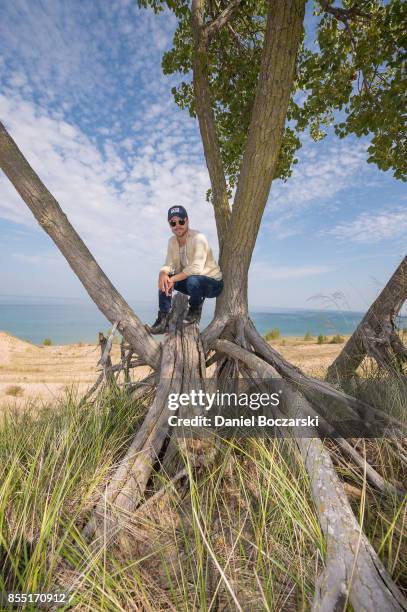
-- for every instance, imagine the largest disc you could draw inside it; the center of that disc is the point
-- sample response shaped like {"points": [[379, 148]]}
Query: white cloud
{"points": [[370, 227], [117, 202], [269, 272], [35, 259], [324, 170], [61, 51]]}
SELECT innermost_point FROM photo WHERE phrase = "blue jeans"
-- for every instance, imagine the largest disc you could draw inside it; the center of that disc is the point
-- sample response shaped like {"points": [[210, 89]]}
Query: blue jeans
{"points": [[197, 287]]}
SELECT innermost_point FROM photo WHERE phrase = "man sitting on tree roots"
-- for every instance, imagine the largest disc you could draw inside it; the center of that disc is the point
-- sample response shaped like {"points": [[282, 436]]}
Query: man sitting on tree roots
{"points": [[189, 268]]}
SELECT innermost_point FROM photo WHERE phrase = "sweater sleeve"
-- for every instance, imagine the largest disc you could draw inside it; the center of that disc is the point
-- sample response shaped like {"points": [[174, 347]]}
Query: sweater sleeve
{"points": [[200, 252], [169, 265]]}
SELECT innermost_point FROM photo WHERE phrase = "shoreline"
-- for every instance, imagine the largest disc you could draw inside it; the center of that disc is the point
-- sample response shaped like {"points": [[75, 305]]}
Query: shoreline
{"points": [[33, 372]]}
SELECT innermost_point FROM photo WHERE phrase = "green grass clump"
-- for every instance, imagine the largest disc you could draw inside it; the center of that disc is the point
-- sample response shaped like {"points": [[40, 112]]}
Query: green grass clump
{"points": [[47, 342], [245, 530], [337, 339], [273, 334], [322, 339], [308, 336], [249, 513]]}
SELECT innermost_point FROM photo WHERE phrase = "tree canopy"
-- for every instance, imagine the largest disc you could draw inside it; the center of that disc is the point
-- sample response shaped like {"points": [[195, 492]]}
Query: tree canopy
{"points": [[352, 77]]}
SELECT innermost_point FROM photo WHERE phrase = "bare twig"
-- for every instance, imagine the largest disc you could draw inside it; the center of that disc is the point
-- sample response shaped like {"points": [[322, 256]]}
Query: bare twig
{"points": [[108, 346]]}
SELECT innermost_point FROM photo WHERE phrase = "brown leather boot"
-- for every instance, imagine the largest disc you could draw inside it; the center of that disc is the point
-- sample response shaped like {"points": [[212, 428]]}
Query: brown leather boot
{"points": [[193, 315], [160, 325]]}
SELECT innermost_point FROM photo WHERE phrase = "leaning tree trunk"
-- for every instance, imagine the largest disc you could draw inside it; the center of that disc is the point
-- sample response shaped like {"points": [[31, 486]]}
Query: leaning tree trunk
{"points": [[353, 570], [376, 335], [53, 220]]}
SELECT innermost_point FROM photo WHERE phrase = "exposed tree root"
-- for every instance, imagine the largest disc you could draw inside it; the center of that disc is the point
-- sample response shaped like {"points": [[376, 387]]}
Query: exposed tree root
{"points": [[128, 483], [353, 571], [318, 391]]}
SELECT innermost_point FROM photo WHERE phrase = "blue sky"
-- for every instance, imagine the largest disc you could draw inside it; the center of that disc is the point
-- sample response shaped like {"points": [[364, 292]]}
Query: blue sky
{"points": [[82, 93]]}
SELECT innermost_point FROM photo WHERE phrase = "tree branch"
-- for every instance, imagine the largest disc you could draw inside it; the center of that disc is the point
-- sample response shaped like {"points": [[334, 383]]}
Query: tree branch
{"points": [[206, 120], [222, 19], [384, 309], [52, 219], [343, 14]]}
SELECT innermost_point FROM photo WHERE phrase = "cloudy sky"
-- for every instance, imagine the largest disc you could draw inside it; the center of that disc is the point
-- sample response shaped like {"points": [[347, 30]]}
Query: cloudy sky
{"points": [[83, 95]]}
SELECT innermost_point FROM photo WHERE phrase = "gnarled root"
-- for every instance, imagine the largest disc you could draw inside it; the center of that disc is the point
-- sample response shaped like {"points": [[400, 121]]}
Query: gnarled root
{"points": [[317, 391], [353, 571]]}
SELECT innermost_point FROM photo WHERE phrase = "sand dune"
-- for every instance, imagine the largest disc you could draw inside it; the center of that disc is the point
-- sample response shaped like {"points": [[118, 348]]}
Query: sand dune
{"points": [[29, 371]]}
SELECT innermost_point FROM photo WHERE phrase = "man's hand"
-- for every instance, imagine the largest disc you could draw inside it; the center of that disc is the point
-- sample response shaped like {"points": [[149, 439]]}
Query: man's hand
{"points": [[165, 283]]}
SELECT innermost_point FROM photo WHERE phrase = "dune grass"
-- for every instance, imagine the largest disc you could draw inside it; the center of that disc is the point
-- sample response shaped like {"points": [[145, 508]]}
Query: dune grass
{"points": [[244, 535]]}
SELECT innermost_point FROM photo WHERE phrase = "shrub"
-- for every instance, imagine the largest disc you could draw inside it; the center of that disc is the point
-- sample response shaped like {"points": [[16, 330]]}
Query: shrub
{"points": [[404, 330], [322, 339], [47, 342], [273, 334], [337, 339], [14, 390], [308, 336]]}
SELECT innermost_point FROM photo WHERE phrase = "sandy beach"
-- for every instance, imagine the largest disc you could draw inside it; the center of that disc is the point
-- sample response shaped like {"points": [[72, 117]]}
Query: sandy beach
{"points": [[34, 372]]}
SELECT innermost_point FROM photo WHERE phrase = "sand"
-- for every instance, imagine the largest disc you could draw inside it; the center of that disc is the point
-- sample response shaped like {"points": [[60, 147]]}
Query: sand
{"points": [[44, 373]]}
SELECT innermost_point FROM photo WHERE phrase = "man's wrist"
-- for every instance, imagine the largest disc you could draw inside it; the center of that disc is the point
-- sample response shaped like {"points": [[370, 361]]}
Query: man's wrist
{"points": [[178, 277]]}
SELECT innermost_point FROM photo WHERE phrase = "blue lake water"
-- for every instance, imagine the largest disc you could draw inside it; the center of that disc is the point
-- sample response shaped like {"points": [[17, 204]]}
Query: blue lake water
{"points": [[80, 321]]}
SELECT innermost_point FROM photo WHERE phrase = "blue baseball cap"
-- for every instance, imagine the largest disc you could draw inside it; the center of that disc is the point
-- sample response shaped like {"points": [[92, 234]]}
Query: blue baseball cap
{"points": [[177, 211]]}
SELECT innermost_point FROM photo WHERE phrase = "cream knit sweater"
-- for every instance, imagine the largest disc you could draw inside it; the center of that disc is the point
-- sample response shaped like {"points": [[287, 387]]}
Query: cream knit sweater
{"points": [[199, 256]]}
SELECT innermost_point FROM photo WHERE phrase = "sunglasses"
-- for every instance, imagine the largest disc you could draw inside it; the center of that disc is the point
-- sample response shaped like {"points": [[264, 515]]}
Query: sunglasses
{"points": [[179, 222]]}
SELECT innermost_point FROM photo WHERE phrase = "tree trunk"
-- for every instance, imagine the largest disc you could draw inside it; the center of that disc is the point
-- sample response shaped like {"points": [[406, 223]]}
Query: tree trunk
{"points": [[206, 120], [282, 39], [375, 336], [182, 369], [52, 219]]}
